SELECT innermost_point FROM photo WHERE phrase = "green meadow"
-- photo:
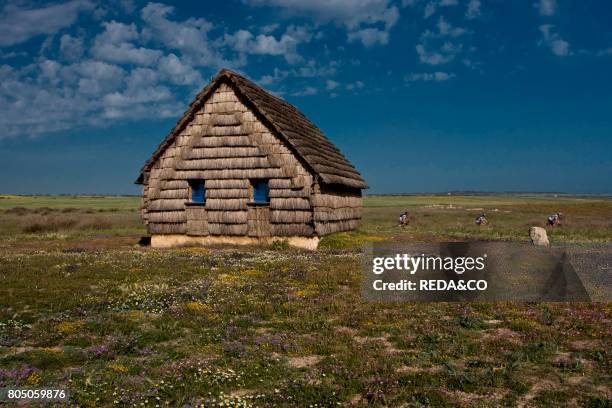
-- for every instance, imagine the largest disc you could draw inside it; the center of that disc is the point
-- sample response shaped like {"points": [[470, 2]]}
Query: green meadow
{"points": [[83, 307]]}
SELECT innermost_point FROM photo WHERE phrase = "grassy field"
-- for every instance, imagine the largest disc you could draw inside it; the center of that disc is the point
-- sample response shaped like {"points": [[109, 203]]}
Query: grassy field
{"points": [[66, 202], [84, 308]]}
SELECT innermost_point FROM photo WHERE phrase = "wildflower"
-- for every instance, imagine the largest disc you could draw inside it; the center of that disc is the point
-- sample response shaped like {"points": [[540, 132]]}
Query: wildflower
{"points": [[118, 368], [34, 379], [67, 327], [97, 351], [197, 307]]}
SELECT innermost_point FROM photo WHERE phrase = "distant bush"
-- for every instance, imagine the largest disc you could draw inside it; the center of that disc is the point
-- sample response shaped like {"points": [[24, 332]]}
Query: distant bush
{"points": [[96, 223], [69, 210], [17, 211], [54, 223], [48, 224], [44, 210]]}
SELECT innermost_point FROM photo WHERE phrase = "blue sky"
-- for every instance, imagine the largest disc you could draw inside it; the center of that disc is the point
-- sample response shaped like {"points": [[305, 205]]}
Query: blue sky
{"points": [[421, 95]]}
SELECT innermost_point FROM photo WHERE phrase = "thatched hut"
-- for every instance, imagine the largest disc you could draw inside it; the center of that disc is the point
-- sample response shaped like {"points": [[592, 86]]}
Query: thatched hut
{"points": [[243, 166]]}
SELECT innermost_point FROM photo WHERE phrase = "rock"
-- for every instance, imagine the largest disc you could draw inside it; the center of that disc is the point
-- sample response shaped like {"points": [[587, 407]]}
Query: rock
{"points": [[538, 236]]}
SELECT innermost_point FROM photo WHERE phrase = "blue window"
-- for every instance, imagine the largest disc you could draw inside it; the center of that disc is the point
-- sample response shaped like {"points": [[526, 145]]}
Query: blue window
{"points": [[198, 191], [261, 191]]}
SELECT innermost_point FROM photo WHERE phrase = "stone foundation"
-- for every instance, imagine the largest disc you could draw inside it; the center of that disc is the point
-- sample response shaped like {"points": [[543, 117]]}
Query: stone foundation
{"points": [[176, 240]]}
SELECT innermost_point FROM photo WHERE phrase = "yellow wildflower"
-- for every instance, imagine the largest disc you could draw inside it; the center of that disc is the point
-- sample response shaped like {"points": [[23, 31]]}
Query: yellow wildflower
{"points": [[118, 368], [67, 327], [198, 307], [34, 379]]}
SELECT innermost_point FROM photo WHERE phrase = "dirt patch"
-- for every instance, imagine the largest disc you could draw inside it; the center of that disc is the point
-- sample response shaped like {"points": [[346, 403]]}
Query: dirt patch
{"points": [[263, 331], [582, 345], [464, 399], [493, 322], [539, 385], [355, 399], [566, 360], [243, 392], [405, 369], [383, 340], [303, 362], [501, 333], [604, 390], [577, 380], [346, 330]]}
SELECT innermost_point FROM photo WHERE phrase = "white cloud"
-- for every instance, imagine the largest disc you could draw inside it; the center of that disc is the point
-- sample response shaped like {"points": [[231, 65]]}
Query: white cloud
{"points": [[440, 46], [20, 24], [357, 16], [350, 13], [189, 36], [100, 71], [557, 45], [432, 6], [270, 28], [605, 52], [124, 79], [443, 55], [473, 9], [245, 42], [354, 86], [12, 54], [71, 47], [546, 7], [116, 33], [64, 93], [142, 78], [447, 29], [84, 94], [126, 53], [116, 102], [369, 36], [114, 44], [143, 96], [312, 69], [430, 9], [307, 91], [88, 78], [330, 84], [437, 76], [560, 48], [178, 72], [277, 76]]}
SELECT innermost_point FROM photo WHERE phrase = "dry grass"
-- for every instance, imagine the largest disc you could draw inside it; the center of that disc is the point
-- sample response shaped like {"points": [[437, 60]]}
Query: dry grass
{"points": [[27, 223], [55, 223]]}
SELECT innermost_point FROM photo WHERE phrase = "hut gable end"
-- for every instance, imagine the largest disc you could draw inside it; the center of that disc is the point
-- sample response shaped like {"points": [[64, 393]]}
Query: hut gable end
{"points": [[225, 145]]}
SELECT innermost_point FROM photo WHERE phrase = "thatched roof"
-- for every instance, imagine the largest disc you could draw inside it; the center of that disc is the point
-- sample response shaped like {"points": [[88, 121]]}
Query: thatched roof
{"points": [[306, 140]]}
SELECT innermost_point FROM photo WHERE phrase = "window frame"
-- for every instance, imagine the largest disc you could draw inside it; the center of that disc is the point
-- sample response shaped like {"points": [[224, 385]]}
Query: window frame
{"points": [[191, 183], [252, 188]]}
